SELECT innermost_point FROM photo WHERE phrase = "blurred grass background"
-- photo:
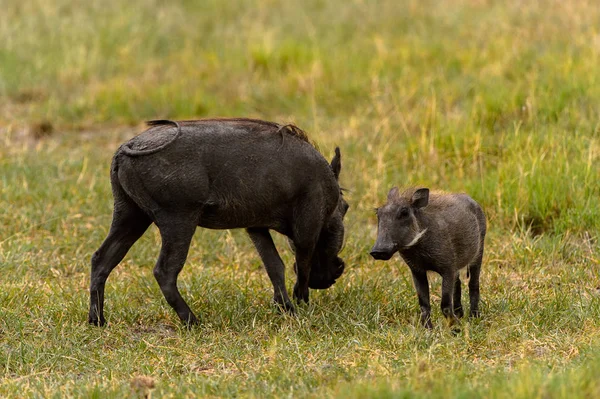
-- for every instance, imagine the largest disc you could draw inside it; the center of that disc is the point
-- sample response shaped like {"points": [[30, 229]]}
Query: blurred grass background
{"points": [[498, 99]]}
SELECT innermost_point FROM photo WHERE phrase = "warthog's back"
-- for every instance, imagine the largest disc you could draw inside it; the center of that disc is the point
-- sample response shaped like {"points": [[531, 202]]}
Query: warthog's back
{"points": [[460, 219], [454, 206], [236, 172]]}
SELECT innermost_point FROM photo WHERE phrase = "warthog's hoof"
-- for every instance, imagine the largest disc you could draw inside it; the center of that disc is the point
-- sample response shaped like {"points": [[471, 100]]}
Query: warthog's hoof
{"points": [[426, 321], [454, 324], [188, 318], [300, 295], [286, 307], [98, 322]]}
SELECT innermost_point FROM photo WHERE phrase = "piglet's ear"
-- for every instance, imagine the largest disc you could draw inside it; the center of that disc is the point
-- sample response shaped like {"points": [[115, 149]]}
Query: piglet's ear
{"points": [[420, 198], [336, 163], [393, 194]]}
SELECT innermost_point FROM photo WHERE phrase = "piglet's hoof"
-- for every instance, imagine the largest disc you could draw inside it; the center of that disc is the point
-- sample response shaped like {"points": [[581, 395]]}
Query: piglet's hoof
{"points": [[455, 330], [454, 324], [426, 321], [97, 322]]}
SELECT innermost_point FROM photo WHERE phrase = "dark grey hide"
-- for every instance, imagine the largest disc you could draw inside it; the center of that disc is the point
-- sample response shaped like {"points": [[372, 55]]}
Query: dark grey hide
{"points": [[439, 232], [224, 174]]}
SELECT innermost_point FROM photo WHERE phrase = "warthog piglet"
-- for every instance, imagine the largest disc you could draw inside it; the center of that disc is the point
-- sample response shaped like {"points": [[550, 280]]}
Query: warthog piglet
{"points": [[434, 231]]}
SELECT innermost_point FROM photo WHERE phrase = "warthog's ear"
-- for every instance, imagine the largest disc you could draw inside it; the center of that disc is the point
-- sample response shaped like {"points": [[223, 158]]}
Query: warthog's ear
{"points": [[420, 198], [393, 193], [336, 163]]}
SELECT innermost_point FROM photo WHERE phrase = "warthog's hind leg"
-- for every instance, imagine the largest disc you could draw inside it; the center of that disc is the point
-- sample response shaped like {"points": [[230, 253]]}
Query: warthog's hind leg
{"points": [[474, 270], [176, 233], [128, 224]]}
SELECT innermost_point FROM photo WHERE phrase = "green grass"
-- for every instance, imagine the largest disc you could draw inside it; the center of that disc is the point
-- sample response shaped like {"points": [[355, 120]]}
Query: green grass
{"points": [[489, 97]]}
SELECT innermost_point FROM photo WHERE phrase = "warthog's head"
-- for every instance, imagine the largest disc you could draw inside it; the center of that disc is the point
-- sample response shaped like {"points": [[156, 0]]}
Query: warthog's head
{"points": [[398, 223], [326, 265]]}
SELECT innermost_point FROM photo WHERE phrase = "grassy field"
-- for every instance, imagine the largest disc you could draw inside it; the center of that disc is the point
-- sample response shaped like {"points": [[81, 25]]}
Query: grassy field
{"points": [[497, 99]]}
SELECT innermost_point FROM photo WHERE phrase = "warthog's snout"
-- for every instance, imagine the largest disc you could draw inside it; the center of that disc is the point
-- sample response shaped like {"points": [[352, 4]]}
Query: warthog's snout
{"points": [[383, 252]]}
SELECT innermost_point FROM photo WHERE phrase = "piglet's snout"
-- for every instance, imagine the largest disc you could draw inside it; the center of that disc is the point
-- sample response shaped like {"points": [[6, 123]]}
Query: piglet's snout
{"points": [[383, 251]]}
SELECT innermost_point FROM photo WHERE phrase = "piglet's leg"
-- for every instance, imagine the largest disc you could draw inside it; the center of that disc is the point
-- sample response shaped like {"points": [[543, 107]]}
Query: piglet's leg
{"points": [[448, 282], [474, 270], [273, 264], [422, 287], [458, 309]]}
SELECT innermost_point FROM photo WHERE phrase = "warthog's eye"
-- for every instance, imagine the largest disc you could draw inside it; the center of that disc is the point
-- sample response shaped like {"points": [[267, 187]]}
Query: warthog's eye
{"points": [[345, 208], [402, 213]]}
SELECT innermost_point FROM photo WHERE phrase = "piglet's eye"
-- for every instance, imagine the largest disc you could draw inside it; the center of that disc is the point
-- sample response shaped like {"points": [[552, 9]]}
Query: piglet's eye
{"points": [[402, 213]]}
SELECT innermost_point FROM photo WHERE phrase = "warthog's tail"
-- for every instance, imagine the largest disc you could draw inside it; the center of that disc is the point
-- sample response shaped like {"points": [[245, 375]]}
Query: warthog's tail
{"points": [[137, 153]]}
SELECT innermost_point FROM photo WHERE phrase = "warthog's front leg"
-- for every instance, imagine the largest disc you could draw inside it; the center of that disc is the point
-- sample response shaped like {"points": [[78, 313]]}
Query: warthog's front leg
{"points": [[306, 230], [422, 287], [303, 258], [273, 264]]}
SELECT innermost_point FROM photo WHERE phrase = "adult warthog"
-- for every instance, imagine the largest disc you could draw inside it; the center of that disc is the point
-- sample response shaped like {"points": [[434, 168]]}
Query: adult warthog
{"points": [[224, 174]]}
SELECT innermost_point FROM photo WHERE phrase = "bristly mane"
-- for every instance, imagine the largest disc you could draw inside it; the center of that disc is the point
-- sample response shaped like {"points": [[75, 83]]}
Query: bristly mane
{"points": [[290, 129]]}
